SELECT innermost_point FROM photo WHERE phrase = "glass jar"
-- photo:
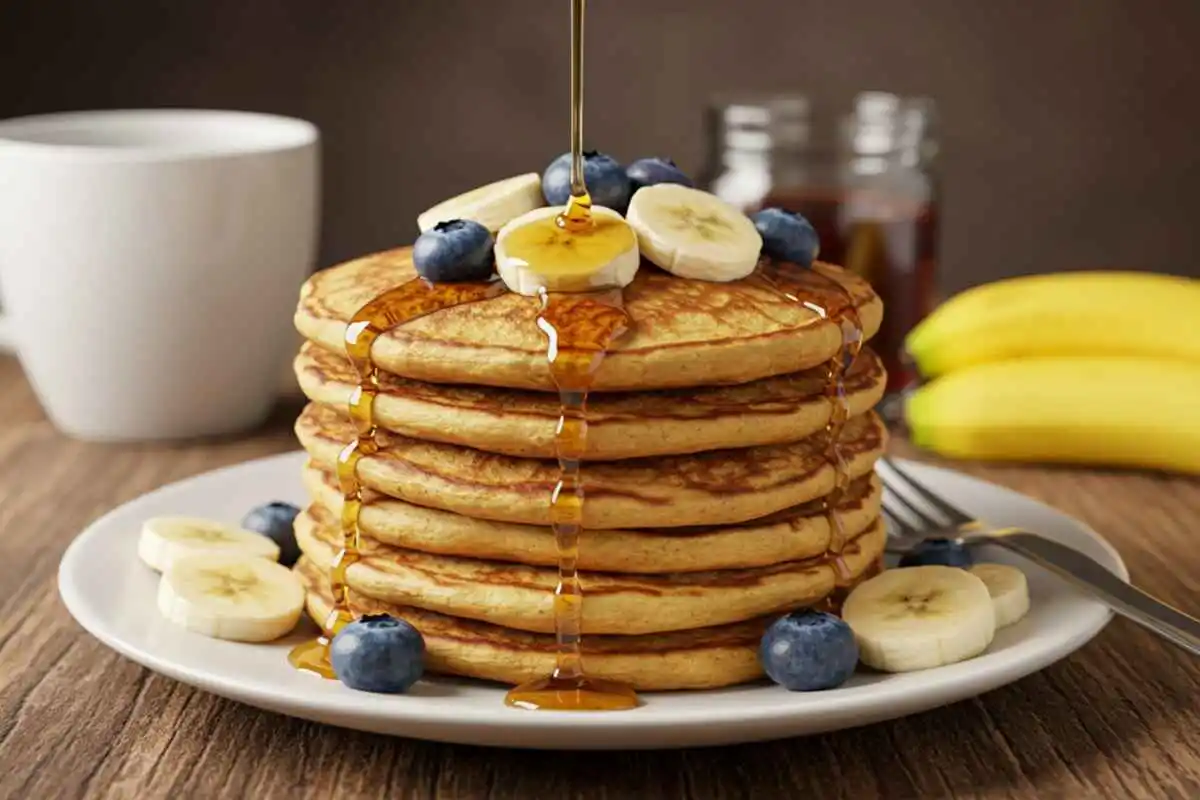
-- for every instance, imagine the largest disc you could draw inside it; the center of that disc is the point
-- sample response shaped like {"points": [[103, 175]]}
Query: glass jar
{"points": [[866, 180]]}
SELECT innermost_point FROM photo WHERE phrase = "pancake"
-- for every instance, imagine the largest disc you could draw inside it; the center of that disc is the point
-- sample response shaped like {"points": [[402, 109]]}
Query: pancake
{"points": [[684, 332], [522, 597], [714, 488], [705, 658], [513, 422], [789, 535]]}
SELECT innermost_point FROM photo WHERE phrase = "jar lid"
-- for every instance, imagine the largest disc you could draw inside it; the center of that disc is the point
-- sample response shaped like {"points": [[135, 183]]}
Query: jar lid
{"points": [[761, 121], [887, 124]]}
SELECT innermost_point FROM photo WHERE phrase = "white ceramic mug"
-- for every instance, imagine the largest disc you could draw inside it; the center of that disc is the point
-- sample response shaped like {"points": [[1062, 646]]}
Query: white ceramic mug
{"points": [[150, 263]]}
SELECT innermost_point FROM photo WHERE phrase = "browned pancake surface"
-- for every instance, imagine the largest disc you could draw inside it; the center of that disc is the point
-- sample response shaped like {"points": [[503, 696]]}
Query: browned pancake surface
{"points": [[620, 424], [684, 332], [701, 658], [716, 487], [789, 535]]}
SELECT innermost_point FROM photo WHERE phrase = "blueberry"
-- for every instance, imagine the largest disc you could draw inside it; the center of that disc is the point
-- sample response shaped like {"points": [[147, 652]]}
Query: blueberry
{"points": [[787, 236], [274, 520], [807, 651], [606, 181], [457, 250], [944, 552], [649, 171], [378, 653]]}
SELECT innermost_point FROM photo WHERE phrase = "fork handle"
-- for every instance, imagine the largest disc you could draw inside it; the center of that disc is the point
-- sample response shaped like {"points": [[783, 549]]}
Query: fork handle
{"points": [[1087, 575]]}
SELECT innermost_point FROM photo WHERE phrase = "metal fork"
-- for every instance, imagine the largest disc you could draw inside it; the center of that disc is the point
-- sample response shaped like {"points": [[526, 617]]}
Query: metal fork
{"points": [[908, 525]]}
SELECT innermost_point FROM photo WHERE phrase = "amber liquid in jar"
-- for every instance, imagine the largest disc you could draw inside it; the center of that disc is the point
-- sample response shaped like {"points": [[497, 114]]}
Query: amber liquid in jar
{"points": [[866, 180]]}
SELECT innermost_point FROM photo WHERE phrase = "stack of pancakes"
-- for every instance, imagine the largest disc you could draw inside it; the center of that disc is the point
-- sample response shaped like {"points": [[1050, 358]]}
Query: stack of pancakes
{"points": [[706, 477]]}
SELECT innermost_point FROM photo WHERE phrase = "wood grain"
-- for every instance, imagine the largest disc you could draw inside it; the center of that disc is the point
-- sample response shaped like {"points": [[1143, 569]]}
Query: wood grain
{"points": [[1118, 719]]}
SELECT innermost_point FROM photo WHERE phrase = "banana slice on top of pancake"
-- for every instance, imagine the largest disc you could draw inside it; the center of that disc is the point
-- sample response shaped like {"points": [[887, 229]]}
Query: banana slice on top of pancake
{"points": [[694, 234], [492, 205], [534, 253]]}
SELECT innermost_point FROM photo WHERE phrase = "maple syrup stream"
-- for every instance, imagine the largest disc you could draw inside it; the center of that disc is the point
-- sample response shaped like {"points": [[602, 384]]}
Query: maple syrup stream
{"points": [[579, 330]]}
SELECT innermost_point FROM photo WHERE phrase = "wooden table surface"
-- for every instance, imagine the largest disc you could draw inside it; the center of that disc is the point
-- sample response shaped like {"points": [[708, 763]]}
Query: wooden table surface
{"points": [[1120, 718]]}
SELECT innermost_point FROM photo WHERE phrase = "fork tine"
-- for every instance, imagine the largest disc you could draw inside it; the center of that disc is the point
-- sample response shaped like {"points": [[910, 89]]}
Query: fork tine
{"points": [[900, 535], [897, 523], [895, 504], [954, 515]]}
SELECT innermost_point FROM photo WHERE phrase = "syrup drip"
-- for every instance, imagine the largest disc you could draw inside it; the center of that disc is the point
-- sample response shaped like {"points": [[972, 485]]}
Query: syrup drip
{"points": [[837, 598], [810, 288], [579, 330], [395, 307]]}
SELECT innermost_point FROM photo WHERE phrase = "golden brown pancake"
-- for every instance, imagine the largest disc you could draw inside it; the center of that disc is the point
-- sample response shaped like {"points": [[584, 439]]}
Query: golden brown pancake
{"points": [[684, 332], [703, 658], [697, 659], [515, 422], [719, 487], [522, 597], [790, 535]]}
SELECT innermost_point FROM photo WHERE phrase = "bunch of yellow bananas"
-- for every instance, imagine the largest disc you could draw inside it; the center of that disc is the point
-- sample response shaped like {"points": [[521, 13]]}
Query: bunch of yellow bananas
{"points": [[1081, 367]]}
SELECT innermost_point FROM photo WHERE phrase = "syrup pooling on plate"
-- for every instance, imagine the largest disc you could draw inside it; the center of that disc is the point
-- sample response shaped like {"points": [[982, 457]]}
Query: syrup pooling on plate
{"points": [[831, 301], [395, 307]]}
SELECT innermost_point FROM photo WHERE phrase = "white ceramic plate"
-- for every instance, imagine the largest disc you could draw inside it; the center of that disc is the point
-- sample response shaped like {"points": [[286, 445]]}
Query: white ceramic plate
{"points": [[111, 594]]}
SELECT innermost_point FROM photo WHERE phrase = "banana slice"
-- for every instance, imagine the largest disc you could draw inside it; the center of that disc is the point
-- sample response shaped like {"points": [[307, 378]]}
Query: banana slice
{"points": [[231, 597], [533, 253], [165, 539], [1008, 588], [693, 234], [920, 617], [491, 206]]}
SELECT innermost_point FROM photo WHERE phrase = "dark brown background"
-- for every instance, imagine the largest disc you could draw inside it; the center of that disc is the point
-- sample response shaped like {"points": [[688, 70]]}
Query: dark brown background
{"points": [[1069, 127]]}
